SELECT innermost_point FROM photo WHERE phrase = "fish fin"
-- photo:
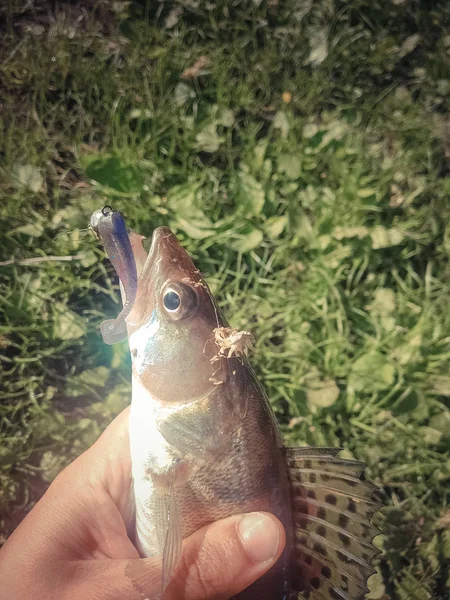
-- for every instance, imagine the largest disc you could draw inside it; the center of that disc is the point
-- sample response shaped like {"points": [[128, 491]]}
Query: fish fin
{"points": [[193, 430], [129, 513], [333, 534], [172, 545], [167, 526]]}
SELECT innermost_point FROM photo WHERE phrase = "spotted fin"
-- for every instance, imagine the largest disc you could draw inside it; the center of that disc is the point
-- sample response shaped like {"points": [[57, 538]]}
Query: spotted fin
{"points": [[333, 535]]}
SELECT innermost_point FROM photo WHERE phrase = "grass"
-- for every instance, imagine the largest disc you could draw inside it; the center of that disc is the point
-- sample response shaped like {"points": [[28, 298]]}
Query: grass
{"points": [[300, 152]]}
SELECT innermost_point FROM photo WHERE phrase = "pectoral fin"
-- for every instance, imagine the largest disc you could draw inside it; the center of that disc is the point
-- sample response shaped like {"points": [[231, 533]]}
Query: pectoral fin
{"points": [[129, 512], [172, 545], [167, 526], [332, 507], [195, 430]]}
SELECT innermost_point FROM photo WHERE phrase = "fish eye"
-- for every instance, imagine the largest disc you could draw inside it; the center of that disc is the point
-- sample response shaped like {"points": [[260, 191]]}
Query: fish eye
{"points": [[172, 301], [179, 300]]}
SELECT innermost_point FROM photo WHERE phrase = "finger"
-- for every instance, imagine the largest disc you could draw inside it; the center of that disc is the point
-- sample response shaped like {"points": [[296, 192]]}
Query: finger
{"points": [[107, 463], [113, 446], [87, 505], [249, 545]]}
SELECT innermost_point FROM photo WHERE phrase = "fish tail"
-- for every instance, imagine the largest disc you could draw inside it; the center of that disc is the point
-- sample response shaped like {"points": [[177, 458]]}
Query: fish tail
{"points": [[331, 509]]}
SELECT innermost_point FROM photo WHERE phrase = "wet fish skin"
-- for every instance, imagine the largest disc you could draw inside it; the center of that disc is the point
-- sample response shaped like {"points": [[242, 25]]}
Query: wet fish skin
{"points": [[205, 444], [200, 427]]}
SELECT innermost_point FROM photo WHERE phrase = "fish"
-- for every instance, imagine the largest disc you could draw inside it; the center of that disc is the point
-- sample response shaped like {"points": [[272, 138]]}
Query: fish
{"points": [[205, 444]]}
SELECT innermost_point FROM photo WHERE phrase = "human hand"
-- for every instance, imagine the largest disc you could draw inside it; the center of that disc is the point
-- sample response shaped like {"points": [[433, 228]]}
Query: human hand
{"points": [[73, 545]]}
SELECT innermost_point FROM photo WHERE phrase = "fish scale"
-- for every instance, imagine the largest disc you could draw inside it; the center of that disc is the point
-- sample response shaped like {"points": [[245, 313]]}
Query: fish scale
{"points": [[205, 443]]}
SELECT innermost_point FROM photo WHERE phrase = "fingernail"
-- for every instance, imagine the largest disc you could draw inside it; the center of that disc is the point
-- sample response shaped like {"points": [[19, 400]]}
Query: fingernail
{"points": [[259, 536]]}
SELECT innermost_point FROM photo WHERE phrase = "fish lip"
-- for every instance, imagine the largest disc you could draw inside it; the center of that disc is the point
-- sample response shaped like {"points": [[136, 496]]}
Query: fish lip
{"points": [[167, 256], [162, 239], [154, 274], [155, 254]]}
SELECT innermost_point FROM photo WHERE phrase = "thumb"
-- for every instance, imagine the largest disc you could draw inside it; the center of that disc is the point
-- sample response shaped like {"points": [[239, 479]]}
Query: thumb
{"points": [[217, 562]]}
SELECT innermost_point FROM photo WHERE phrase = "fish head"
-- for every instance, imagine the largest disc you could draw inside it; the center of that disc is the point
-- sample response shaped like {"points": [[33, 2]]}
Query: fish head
{"points": [[171, 326]]}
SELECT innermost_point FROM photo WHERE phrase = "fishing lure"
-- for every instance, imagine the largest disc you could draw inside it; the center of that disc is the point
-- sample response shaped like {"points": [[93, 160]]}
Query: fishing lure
{"points": [[109, 227]]}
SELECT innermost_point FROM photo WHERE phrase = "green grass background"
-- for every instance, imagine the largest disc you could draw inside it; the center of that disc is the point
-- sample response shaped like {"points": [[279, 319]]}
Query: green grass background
{"points": [[300, 150]]}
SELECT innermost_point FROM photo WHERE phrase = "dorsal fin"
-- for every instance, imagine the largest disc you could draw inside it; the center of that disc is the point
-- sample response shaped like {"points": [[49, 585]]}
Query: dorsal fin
{"points": [[333, 534]]}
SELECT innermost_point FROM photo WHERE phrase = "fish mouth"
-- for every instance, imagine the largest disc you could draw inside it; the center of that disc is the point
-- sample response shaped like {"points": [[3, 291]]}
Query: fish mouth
{"points": [[167, 262], [164, 243]]}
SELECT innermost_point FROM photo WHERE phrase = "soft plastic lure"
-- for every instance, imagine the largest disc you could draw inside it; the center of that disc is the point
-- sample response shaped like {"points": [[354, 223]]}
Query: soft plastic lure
{"points": [[109, 227]]}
